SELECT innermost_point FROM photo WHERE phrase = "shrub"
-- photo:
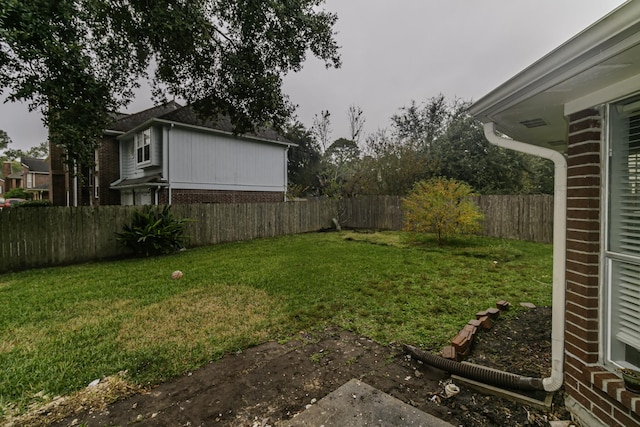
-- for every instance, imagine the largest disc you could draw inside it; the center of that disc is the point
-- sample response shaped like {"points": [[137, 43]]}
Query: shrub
{"points": [[154, 231], [17, 193], [34, 204], [441, 206]]}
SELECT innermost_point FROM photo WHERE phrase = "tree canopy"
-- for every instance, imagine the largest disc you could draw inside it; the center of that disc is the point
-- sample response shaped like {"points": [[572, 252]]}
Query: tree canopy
{"points": [[77, 60], [430, 139]]}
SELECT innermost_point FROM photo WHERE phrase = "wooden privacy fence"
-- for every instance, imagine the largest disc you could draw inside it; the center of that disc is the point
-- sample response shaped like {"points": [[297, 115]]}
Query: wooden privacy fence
{"points": [[39, 237], [527, 217]]}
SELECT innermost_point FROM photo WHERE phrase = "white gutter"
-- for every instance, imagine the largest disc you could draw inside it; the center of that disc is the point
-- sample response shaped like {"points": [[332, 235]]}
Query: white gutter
{"points": [[554, 382]]}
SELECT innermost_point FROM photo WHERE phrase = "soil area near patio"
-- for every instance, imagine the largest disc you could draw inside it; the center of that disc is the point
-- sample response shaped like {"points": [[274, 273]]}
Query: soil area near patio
{"points": [[272, 382]]}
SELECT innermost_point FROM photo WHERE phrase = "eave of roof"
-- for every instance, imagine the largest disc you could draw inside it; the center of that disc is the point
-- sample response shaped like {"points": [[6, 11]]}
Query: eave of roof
{"points": [[185, 117], [129, 121], [152, 180], [603, 54]]}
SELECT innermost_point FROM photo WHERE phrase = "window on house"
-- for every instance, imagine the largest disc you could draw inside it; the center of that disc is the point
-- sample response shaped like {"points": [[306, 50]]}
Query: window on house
{"points": [[622, 256], [143, 146], [29, 180]]}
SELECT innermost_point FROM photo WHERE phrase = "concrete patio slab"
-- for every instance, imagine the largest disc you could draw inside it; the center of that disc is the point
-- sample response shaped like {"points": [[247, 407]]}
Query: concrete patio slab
{"points": [[356, 404]]}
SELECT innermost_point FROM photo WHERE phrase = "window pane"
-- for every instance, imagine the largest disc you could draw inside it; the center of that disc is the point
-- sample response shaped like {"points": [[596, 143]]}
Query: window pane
{"points": [[625, 186], [623, 256]]}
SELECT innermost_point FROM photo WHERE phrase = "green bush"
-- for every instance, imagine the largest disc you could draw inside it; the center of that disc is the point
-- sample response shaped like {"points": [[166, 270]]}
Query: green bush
{"points": [[154, 231], [17, 193], [441, 206], [34, 204]]}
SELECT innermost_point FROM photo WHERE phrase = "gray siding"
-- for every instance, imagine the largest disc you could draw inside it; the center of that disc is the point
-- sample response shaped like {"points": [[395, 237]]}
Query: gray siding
{"points": [[128, 166], [200, 160]]}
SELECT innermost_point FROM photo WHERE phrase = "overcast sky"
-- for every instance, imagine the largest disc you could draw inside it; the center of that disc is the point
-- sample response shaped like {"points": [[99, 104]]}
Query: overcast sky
{"points": [[395, 51]]}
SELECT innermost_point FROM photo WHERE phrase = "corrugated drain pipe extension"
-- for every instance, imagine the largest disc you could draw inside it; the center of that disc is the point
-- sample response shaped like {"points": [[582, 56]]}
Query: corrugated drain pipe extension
{"points": [[504, 379], [476, 372]]}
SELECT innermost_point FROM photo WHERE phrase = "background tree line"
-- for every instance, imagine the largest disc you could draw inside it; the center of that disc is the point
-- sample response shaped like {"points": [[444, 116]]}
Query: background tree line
{"points": [[434, 138]]}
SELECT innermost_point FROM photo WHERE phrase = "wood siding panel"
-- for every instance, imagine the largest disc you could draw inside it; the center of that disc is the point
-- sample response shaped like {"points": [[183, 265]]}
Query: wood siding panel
{"points": [[201, 160]]}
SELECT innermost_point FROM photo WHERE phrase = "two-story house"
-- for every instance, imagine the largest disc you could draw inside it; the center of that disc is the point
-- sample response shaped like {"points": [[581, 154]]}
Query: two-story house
{"points": [[168, 155], [33, 177]]}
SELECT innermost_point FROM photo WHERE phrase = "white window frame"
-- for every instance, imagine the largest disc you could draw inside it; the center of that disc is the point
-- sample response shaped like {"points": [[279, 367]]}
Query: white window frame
{"points": [[29, 180], [616, 344], [142, 147]]}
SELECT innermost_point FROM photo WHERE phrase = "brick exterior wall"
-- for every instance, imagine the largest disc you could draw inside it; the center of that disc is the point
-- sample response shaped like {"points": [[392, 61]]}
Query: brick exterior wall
{"points": [[181, 197], [598, 390], [6, 171], [57, 173], [108, 171]]}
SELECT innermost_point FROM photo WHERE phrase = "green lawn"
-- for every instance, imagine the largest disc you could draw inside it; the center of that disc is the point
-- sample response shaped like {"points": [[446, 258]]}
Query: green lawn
{"points": [[61, 328]]}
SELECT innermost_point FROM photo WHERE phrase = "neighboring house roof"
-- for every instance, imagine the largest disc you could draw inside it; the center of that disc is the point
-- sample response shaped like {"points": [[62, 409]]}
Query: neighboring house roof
{"points": [[188, 116], [16, 175], [598, 65], [115, 115], [131, 121], [35, 165], [174, 113]]}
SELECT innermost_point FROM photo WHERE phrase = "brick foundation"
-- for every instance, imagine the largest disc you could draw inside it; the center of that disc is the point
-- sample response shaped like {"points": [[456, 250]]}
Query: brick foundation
{"points": [[181, 197], [597, 389]]}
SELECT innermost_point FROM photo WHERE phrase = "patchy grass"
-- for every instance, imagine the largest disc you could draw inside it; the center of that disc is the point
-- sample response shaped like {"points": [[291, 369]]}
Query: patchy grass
{"points": [[61, 328]]}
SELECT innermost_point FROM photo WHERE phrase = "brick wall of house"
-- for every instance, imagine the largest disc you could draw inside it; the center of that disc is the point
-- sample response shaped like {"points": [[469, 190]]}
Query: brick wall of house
{"points": [[598, 390], [40, 179], [6, 171], [108, 171], [179, 197], [58, 184]]}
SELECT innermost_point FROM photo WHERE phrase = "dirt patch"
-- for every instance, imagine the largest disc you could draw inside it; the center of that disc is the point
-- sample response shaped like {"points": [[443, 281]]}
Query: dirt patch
{"points": [[271, 382]]}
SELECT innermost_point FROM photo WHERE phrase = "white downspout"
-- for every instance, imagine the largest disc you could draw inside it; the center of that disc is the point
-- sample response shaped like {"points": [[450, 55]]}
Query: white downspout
{"points": [[167, 161], [286, 168], [554, 382]]}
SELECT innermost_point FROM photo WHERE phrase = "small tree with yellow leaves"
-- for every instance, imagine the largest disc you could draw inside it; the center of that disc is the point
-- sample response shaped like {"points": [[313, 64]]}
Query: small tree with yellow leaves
{"points": [[441, 206]]}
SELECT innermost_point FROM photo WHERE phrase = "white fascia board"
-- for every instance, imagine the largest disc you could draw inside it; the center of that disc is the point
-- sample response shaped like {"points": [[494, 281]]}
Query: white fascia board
{"points": [[221, 132], [600, 41], [113, 132]]}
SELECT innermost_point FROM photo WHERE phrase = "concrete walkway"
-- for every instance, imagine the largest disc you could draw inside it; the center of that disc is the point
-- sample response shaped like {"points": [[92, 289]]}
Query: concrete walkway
{"points": [[356, 404]]}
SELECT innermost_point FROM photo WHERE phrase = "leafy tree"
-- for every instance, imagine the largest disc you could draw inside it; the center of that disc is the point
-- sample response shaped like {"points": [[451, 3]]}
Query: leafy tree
{"points": [[304, 161], [463, 153], [441, 206], [4, 140], [419, 125], [76, 60], [390, 166], [338, 165]]}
